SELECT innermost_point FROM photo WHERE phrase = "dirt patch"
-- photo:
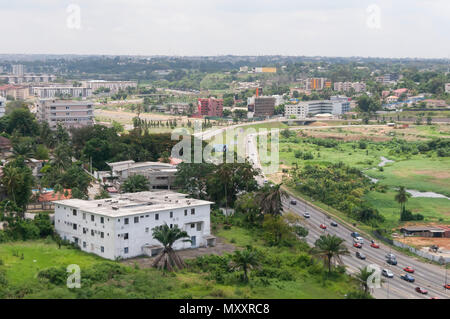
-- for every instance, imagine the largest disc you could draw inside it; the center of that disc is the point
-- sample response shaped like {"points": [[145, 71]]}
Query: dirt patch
{"points": [[220, 248], [435, 174], [420, 242]]}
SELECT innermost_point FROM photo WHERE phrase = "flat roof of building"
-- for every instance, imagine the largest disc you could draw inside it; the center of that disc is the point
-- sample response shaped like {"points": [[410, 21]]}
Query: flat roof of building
{"points": [[134, 203]]}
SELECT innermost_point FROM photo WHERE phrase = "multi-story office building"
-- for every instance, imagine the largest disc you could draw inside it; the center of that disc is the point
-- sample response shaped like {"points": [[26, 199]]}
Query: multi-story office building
{"points": [[264, 106], [69, 113], [2, 106], [341, 104], [210, 107], [316, 84], [121, 227], [28, 78], [113, 86], [347, 86], [61, 91], [299, 110]]}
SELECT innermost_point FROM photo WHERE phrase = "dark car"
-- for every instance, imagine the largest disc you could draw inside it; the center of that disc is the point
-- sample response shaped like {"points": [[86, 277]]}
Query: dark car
{"points": [[407, 277], [333, 223], [392, 261], [354, 234], [360, 255], [293, 202]]}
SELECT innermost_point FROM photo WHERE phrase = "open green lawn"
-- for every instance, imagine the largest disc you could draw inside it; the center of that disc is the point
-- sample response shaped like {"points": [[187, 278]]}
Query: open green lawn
{"points": [[38, 255], [433, 209], [419, 173]]}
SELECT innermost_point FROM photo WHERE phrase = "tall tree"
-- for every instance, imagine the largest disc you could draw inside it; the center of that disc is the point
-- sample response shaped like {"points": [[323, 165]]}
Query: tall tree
{"points": [[330, 247], [245, 260], [271, 199], [402, 197], [168, 258]]}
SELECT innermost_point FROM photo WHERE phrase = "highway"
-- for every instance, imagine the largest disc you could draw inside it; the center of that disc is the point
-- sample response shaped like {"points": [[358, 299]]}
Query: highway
{"points": [[428, 276]]}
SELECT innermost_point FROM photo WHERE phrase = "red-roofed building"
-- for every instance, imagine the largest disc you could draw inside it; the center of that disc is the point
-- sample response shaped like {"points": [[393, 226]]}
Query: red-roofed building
{"points": [[16, 91], [52, 196], [399, 92]]}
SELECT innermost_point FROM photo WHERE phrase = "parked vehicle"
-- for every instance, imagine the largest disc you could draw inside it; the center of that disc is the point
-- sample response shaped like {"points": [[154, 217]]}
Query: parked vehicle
{"points": [[407, 277], [360, 255], [387, 273]]}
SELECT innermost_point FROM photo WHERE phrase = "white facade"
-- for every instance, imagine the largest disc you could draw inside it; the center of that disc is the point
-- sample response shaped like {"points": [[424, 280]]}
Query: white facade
{"points": [[114, 86], [2, 106], [300, 110], [347, 86], [447, 87], [56, 91], [121, 227]]}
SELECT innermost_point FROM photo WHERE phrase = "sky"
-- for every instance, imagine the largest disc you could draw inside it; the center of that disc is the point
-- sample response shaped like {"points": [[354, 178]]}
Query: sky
{"points": [[384, 28]]}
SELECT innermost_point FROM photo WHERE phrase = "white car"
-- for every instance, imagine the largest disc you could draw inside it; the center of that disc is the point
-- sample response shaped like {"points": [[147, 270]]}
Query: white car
{"points": [[358, 240], [387, 273], [306, 215]]}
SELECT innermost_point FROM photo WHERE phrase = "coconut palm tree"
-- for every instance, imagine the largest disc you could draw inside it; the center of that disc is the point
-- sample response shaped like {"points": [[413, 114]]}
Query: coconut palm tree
{"points": [[11, 180], [168, 258], [330, 247], [402, 197], [245, 260], [270, 199]]}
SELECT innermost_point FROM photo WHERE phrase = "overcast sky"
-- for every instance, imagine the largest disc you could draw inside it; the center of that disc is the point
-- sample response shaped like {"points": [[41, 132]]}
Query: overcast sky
{"points": [[385, 28]]}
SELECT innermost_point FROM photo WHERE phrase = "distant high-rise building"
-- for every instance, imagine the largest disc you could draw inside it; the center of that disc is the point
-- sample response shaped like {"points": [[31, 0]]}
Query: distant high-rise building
{"points": [[210, 107], [69, 113], [18, 69], [347, 86], [317, 84]]}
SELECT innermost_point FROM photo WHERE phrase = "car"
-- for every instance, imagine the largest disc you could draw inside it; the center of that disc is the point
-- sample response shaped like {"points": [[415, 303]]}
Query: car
{"points": [[293, 202], [334, 224], [323, 226], [306, 215], [407, 277], [388, 256], [409, 269], [358, 240], [387, 273], [357, 245], [354, 234], [447, 286], [360, 255], [421, 290], [374, 245], [392, 261]]}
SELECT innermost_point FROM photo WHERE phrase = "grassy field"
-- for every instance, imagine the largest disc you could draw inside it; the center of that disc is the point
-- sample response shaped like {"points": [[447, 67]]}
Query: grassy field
{"points": [[38, 255], [417, 172], [134, 282]]}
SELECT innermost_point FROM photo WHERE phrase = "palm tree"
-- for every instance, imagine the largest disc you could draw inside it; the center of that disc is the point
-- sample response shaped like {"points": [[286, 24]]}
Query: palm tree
{"points": [[402, 197], [11, 179], [363, 276], [330, 247], [168, 258], [270, 199], [245, 260], [24, 149], [135, 183]]}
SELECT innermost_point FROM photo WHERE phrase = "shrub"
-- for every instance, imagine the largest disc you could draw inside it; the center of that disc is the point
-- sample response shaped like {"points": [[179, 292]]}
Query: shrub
{"points": [[55, 275]]}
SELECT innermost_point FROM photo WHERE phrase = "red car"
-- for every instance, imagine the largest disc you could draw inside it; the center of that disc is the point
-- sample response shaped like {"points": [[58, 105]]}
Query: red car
{"points": [[421, 290], [357, 245], [409, 269], [447, 286], [323, 226], [374, 245]]}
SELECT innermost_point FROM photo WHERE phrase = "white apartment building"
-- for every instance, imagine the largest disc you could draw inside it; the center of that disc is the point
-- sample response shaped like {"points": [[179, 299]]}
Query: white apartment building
{"points": [[337, 105], [2, 106], [69, 113], [121, 227], [447, 87], [113, 86], [61, 91]]}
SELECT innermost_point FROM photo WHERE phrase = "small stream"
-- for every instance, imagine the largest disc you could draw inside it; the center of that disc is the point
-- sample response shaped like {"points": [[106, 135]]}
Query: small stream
{"points": [[413, 192]]}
